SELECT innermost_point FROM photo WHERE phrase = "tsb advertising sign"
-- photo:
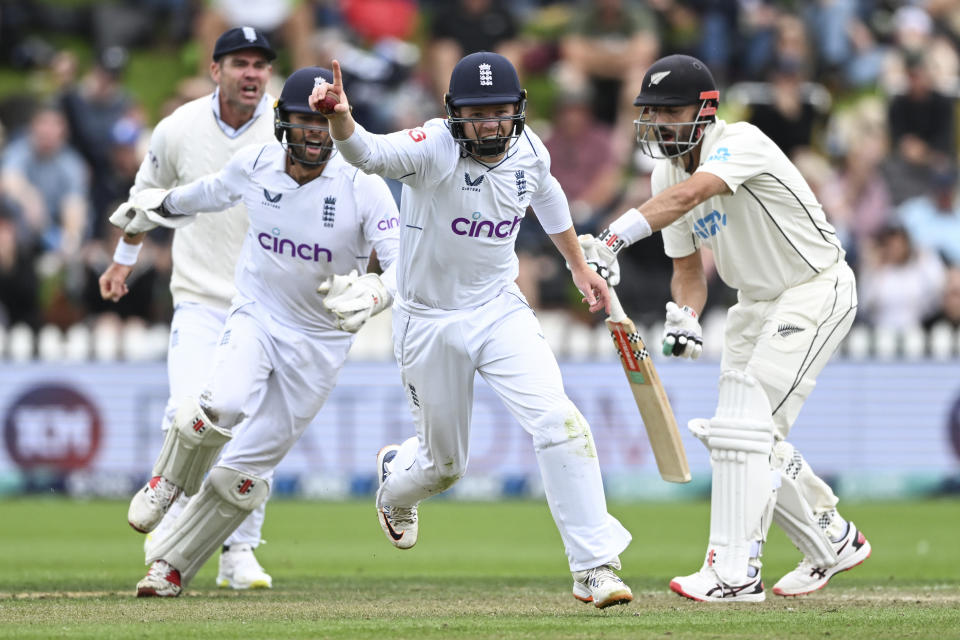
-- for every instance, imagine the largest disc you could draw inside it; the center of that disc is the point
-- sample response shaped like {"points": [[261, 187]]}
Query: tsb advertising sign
{"points": [[52, 426]]}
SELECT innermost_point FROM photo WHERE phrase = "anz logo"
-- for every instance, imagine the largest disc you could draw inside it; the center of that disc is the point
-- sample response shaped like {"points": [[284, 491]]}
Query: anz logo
{"points": [[710, 224], [272, 199], [720, 155]]}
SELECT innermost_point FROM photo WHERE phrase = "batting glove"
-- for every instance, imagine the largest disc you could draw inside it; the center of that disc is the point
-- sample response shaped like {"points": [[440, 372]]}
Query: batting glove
{"points": [[365, 297], [682, 335], [601, 258]]}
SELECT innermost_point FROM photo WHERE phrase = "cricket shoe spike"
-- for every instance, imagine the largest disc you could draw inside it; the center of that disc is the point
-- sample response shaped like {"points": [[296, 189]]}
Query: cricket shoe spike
{"points": [[239, 569], [399, 524], [852, 549], [601, 586], [161, 581], [150, 503], [705, 586]]}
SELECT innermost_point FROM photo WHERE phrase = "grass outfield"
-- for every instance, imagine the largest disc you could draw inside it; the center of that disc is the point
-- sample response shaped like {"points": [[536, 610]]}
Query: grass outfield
{"points": [[480, 570]]}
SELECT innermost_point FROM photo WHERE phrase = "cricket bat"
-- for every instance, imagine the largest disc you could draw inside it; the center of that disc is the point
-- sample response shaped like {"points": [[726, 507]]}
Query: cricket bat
{"points": [[658, 418]]}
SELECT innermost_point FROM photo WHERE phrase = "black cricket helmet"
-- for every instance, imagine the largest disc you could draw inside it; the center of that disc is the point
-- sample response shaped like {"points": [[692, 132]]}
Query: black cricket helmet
{"points": [[484, 78], [294, 99], [675, 81]]}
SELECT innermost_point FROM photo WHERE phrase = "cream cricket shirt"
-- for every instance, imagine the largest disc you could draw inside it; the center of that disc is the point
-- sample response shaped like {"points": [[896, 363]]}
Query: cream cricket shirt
{"points": [[186, 145], [771, 233]]}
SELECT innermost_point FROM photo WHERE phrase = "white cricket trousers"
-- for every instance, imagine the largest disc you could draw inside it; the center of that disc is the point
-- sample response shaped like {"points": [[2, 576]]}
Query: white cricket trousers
{"points": [[194, 334], [785, 343], [439, 353], [284, 372]]}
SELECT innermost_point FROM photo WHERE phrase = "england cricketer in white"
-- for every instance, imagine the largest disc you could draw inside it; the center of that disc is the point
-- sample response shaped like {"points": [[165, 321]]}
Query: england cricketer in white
{"points": [[194, 141], [730, 188], [467, 183], [312, 216]]}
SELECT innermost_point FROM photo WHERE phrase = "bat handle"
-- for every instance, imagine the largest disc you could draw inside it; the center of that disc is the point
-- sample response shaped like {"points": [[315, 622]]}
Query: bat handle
{"points": [[616, 310]]}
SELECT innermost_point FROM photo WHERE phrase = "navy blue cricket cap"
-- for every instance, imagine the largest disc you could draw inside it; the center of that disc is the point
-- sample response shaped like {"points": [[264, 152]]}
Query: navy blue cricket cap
{"points": [[242, 38], [484, 78]]}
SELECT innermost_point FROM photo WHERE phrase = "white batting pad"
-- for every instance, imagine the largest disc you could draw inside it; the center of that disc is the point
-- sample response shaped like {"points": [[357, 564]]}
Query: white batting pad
{"points": [[802, 494], [190, 447], [224, 500], [740, 439]]}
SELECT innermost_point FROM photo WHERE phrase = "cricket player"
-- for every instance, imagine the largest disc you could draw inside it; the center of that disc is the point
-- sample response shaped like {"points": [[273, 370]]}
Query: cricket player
{"points": [[196, 140], [311, 217], [467, 183], [730, 188]]}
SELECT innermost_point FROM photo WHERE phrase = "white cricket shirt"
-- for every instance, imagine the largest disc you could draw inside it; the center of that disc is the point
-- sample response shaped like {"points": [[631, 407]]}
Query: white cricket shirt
{"points": [[459, 217], [186, 145], [771, 233], [298, 234]]}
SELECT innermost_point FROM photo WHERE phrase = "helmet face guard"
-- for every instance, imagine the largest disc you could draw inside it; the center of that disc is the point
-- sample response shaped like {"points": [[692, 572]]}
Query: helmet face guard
{"points": [[476, 146], [297, 150], [293, 99], [650, 134]]}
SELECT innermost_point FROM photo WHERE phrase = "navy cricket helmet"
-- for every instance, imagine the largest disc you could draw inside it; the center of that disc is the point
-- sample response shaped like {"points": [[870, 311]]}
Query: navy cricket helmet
{"points": [[484, 78], [675, 81], [294, 99]]}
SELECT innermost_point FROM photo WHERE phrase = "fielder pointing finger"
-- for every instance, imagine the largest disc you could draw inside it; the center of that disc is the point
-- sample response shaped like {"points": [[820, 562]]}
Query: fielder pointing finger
{"points": [[730, 188], [313, 221], [467, 183]]}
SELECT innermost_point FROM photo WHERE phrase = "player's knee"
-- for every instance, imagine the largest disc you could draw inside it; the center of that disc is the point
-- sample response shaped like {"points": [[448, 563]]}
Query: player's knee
{"points": [[224, 409], [561, 424]]}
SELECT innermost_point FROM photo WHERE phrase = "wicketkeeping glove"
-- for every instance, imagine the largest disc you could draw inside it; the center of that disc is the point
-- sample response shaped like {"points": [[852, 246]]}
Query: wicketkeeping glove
{"points": [[682, 335], [334, 285], [601, 258], [365, 297], [144, 212]]}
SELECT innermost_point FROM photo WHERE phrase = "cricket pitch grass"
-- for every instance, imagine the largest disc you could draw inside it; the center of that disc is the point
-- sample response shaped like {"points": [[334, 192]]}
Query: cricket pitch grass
{"points": [[480, 570]]}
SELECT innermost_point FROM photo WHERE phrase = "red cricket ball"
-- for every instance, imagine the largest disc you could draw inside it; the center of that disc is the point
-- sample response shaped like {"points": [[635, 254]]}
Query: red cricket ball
{"points": [[328, 103]]}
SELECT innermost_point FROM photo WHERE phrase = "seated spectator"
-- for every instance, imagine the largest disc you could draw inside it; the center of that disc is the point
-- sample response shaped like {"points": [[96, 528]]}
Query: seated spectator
{"points": [[899, 285], [949, 311], [789, 118], [582, 158], [611, 43], [18, 278], [921, 123], [459, 27], [290, 22], [933, 219], [92, 108], [46, 181]]}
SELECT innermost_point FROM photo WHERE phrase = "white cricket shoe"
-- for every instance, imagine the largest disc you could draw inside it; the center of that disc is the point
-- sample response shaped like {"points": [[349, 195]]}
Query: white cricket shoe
{"points": [[150, 503], [705, 586], [239, 569], [601, 586], [161, 581], [399, 524], [852, 549]]}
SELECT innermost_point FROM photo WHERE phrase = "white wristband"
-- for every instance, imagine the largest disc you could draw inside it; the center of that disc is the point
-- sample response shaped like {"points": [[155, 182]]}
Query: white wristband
{"points": [[126, 253], [631, 226]]}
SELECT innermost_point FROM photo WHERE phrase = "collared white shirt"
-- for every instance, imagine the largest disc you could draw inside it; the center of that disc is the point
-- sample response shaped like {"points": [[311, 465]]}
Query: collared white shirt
{"points": [[263, 106]]}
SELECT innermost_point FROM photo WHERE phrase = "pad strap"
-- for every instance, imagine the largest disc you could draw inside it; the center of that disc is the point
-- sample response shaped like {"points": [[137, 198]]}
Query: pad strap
{"points": [[190, 448]]}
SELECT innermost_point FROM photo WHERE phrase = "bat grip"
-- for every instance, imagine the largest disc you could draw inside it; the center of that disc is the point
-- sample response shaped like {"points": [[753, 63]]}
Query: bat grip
{"points": [[616, 310]]}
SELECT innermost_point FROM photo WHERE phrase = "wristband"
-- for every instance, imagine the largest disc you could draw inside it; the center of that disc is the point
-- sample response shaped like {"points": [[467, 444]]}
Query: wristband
{"points": [[126, 253], [632, 226]]}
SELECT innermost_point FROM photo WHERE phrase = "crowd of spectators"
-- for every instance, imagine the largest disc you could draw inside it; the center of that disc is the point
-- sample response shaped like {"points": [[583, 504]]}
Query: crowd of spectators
{"points": [[862, 94]]}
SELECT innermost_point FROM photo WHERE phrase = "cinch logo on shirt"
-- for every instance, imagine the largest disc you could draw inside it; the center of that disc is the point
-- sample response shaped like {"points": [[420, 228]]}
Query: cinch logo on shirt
{"points": [[720, 155], [477, 228], [388, 223], [304, 251], [710, 224]]}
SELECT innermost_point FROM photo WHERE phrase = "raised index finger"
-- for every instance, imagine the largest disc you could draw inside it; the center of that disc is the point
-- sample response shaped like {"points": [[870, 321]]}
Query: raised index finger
{"points": [[337, 76]]}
